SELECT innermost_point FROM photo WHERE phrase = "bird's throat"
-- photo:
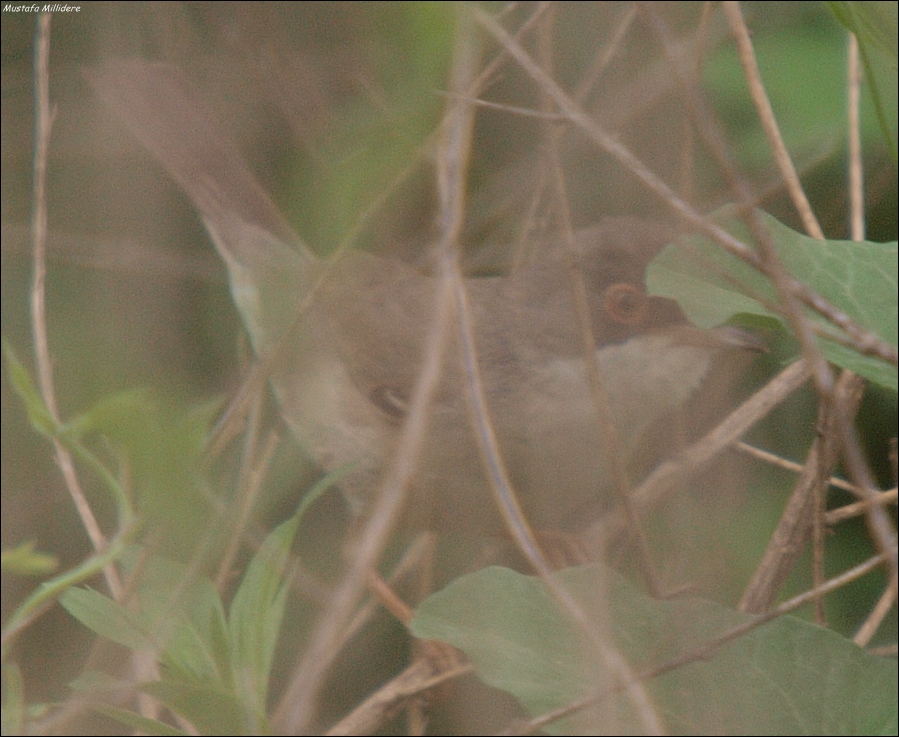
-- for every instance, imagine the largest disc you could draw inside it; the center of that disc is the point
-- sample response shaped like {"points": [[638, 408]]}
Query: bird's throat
{"points": [[645, 378]]}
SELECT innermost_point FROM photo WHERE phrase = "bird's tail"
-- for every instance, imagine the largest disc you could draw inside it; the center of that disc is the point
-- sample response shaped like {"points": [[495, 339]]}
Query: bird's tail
{"points": [[267, 262]]}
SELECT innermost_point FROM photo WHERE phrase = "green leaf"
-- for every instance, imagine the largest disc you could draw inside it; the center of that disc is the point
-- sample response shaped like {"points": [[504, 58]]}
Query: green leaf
{"points": [[185, 614], [22, 560], [254, 619], [215, 670], [210, 710], [61, 583], [38, 414], [104, 616], [257, 609], [874, 23], [859, 279], [179, 615], [141, 724], [876, 26], [786, 677], [161, 442]]}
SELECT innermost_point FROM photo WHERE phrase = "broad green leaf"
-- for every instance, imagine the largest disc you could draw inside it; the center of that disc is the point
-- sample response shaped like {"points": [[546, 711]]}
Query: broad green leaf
{"points": [[859, 279], [874, 23], [785, 677]]}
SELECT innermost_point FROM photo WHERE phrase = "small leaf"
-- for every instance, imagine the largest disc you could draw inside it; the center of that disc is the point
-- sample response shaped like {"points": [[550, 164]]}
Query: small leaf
{"points": [[38, 414], [161, 443], [23, 561], [185, 614], [179, 616], [102, 615], [257, 609], [210, 710], [140, 724]]}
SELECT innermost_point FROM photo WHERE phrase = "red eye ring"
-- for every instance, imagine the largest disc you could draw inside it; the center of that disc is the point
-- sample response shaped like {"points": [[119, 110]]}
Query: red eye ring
{"points": [[625, 303]]}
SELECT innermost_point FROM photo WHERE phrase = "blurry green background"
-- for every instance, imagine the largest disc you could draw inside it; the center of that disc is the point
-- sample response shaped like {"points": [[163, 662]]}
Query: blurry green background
{"points": [[333, 104]]}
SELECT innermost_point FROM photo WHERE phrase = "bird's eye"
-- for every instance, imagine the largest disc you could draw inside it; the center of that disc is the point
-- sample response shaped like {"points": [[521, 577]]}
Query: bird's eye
{"points": [[625, 303]]}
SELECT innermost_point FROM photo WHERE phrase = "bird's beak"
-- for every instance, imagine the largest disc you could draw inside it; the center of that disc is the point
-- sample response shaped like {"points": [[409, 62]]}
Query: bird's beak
{"points": [[724, 337]]}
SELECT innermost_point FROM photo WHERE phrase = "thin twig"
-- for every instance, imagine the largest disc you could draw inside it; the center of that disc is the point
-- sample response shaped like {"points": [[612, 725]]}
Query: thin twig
{"points": [[880, 526], [788, 465], [769, 122], [856, 167], [676, 471], [250, 484], [833, 516], [295, 709], [611, 447], [421, 676], [227, 426], [44, 117], [524, 112], [857, 509], [875, 618], [516, 522], [723, 435]]}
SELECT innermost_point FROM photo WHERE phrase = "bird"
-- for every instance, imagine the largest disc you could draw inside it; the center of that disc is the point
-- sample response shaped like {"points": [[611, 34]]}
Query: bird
{"points": [[348, 335]]}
